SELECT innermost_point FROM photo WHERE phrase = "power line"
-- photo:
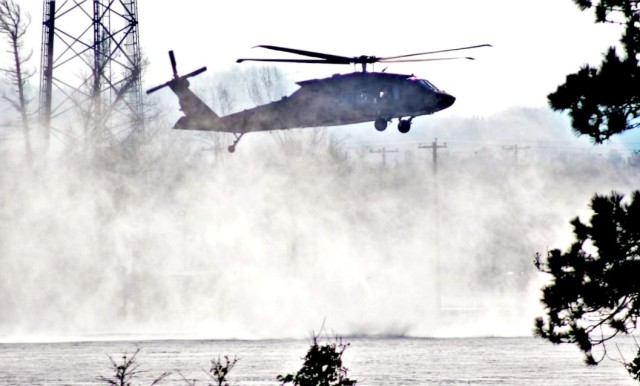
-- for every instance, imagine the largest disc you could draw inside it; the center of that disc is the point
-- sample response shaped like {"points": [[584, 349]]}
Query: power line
{"points": [[384, 152], [515, 149], [536, 144]]}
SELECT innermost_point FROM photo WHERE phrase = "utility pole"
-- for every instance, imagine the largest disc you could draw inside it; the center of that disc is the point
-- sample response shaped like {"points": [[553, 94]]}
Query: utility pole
{"points": [[384, 152], [515, 149], [436, 208], [434, 150]]}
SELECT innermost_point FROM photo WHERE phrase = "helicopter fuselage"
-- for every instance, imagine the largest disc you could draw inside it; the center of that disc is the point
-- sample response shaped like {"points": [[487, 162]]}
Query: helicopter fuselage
{"points": [[341, 100], [338, 100]]}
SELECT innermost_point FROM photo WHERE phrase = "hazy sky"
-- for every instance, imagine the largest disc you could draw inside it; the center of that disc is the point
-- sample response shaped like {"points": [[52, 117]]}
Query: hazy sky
{"points": [[536, 43], [161, 229]]}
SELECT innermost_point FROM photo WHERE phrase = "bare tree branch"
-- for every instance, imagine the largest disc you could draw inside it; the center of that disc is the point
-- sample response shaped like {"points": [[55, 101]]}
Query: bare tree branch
{"points": [[13, 26]]}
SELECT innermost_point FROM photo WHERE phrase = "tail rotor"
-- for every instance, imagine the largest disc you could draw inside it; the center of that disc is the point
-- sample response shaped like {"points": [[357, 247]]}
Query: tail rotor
{"points": [[176, 78], [174, 67]]}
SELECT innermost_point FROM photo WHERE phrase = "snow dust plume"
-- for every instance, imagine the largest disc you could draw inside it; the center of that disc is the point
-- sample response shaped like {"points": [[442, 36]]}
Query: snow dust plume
{"points": [[270, 241]]}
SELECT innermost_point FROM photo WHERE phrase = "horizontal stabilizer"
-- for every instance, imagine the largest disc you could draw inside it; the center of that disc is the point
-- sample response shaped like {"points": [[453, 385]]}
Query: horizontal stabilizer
{"points": [[194, 123]]}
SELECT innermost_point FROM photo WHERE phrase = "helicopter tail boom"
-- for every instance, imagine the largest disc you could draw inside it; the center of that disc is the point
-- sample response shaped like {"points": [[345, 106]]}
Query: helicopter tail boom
{"points": [[197, 115]]}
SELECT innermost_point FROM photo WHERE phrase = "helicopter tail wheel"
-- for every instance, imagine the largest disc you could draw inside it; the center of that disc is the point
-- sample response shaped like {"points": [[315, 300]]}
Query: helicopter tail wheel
{"points": [[232, 147], [404, 126], [380, 124]]}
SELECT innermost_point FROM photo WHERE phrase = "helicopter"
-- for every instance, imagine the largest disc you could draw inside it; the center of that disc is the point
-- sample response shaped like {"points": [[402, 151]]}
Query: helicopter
{"points": [[341, 99]]}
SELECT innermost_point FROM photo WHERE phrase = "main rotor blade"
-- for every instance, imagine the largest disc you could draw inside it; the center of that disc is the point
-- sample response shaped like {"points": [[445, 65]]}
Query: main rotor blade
{"points": [[424, 60], [291, 61], [436, 52], [329, 57]]}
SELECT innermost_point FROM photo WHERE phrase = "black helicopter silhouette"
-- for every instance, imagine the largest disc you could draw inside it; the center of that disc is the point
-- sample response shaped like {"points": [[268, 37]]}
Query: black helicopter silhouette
{"points": [[341, 99]]}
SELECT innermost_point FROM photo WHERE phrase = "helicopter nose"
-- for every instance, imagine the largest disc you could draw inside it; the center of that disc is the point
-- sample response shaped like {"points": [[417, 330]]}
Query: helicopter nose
{"points": [[444, 100]]}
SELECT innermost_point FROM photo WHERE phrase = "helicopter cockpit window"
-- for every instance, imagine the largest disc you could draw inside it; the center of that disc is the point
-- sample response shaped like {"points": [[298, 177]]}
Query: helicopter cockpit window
{"points": [[423, 83], [428, 84]]}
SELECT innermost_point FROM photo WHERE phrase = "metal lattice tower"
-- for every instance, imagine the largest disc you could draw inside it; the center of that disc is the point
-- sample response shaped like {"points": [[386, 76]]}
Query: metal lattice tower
{"points": [[90, 82]]}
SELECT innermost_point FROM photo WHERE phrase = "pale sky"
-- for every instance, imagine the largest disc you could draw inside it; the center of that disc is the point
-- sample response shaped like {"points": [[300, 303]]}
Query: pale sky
{"points": [[536, 43]]}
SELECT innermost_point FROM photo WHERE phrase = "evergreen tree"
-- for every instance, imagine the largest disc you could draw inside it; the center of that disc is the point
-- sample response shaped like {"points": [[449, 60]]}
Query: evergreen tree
{"points": [[604, 101], [594, 294]]}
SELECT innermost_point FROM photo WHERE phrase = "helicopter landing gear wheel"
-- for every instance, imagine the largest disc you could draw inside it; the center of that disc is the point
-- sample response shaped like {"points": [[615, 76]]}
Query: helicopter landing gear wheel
{"points": [[404, 126], [380, 124], [231, 148]]}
